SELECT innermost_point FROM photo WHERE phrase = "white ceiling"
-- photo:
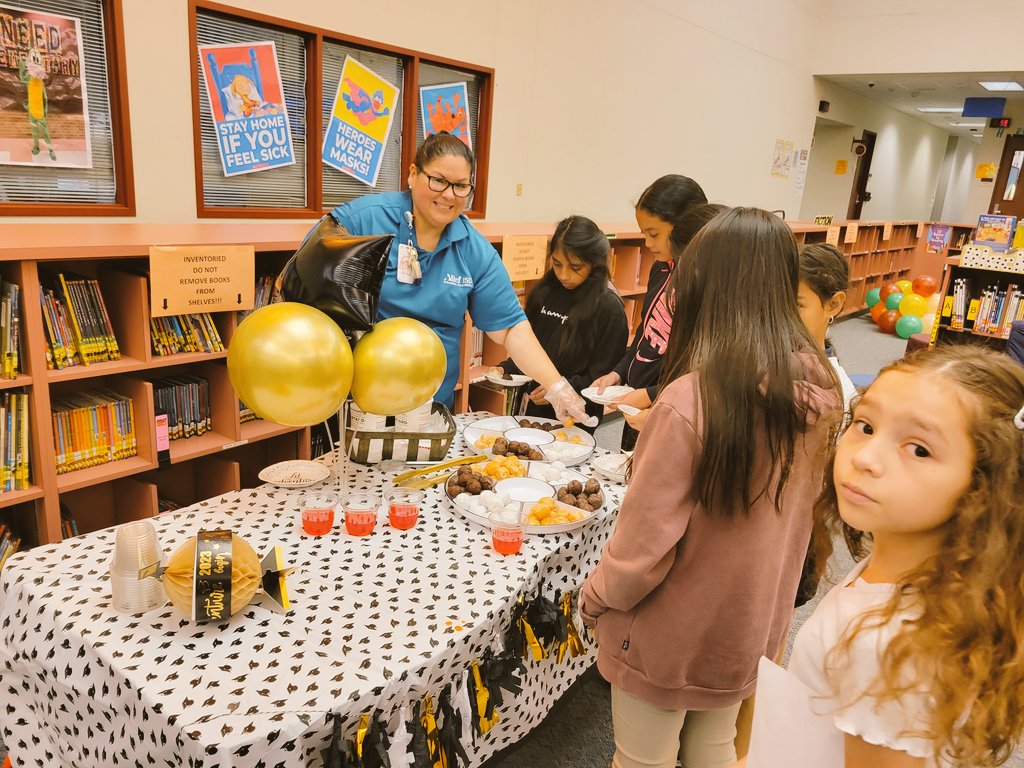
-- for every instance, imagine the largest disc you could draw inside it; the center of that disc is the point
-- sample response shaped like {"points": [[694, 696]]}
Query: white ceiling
{"points": [[944, 89]]}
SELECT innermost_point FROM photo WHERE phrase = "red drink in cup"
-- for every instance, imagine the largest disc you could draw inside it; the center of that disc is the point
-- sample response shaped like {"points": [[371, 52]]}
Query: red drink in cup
{"points": [[506, 535], [360, 513], [318, 514], [403, 507]]}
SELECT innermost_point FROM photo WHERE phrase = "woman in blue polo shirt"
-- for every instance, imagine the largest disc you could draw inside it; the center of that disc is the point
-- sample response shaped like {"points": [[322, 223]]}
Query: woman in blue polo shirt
{"points": [[440, 267]]}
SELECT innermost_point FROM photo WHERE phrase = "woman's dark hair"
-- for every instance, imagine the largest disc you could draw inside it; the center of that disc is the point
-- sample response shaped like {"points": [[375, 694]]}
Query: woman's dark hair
{"points": [[736, 325], [670, 197], [440, 145], [578, 238], [823, 267]]}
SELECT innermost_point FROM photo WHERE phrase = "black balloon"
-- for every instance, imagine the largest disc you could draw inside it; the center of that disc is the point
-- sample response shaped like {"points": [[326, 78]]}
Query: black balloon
{"points": [[338, 273]]}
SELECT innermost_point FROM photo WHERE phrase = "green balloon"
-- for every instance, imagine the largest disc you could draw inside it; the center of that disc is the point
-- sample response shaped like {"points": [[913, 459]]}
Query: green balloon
{"points": [[908, 325], [873, 298], [892, 301]]}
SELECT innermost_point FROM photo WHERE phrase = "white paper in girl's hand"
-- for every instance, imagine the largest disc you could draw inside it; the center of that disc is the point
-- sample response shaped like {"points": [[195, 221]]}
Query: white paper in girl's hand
{"points": [[787, 733], [629, 410]]}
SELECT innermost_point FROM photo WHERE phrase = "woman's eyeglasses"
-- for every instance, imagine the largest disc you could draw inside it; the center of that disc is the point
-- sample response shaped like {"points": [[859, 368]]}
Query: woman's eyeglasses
{"points": [[440, 184]]}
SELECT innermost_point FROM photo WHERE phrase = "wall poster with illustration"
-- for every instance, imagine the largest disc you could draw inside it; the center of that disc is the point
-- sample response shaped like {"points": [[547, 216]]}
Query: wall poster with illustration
{"points": [[44, 115], [446, 108], [243, 85]]}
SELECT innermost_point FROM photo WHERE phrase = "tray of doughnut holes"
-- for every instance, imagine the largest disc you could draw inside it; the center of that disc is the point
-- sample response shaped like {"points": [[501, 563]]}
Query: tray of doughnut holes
{"points": [[544, 497]]}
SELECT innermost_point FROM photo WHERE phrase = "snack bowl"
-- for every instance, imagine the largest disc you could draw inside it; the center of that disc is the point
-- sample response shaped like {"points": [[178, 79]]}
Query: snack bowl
{"points": [[535, 437], [611, 466]]}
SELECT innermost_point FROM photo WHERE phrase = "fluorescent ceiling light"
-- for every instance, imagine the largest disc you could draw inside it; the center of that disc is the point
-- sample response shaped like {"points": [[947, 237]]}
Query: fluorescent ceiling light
{"points": [[968, 125], [951, 110], [1001, 85]]}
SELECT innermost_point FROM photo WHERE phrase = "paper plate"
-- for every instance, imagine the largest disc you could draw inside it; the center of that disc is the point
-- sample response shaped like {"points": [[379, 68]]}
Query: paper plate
{"points": [[560, 450], [296, 473], [529, 490], [610, 394], [513, 380], [611, 466]]}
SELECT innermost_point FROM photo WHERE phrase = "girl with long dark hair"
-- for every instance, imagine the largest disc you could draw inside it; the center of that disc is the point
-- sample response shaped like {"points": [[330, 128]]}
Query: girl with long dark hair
{"points": [[698, 579], [574, 312]]}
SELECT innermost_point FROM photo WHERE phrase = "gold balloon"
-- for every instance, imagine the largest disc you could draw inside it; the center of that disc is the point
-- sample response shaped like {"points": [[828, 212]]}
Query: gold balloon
{"points": [[291, 364], [398, 366]]}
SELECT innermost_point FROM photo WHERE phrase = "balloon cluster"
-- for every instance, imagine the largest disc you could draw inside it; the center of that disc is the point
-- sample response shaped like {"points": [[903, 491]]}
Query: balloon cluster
{"points": [[905, 307], [293, 364]]}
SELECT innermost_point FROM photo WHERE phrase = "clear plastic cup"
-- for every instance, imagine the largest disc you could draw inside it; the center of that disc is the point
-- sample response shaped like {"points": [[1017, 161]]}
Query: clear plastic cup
{"points": [[360, 513], [403, 507], [136, 546], [506, 535], [318, 513]]}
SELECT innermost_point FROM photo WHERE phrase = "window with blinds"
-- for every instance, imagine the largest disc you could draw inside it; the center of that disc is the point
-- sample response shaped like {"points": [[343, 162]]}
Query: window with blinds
{"points": [[282, 187], [311, 186], [64, 186], [340, 187]]}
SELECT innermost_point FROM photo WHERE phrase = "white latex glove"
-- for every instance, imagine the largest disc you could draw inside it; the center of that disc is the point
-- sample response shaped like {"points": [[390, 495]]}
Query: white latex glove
{"points": [[568, 404]]}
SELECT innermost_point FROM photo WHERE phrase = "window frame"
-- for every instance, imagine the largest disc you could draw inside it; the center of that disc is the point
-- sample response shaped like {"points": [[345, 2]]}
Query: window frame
{"points": [[120, 131], [315, 39]]}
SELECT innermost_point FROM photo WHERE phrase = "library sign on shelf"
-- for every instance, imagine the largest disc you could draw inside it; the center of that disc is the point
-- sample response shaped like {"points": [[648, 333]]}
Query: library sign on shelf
{"points": [[184, 279], [524, 256]]}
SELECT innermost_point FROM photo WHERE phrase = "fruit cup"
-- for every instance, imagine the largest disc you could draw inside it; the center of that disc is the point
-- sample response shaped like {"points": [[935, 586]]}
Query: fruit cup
{"points": [[318, 513], [403, 507], [506, 535], [360, 513]]}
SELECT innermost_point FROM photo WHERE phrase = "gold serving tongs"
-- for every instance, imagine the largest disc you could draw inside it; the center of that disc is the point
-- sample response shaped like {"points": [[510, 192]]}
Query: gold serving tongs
{"points": [[406, 479]]}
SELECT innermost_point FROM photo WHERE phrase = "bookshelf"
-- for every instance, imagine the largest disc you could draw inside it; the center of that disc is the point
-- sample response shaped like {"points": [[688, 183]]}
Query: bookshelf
{"points": [[967, 303], [226, 458]]}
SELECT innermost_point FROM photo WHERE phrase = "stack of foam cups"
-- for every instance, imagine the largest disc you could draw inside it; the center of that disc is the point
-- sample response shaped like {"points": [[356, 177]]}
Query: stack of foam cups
{"points": [[135, 547]]}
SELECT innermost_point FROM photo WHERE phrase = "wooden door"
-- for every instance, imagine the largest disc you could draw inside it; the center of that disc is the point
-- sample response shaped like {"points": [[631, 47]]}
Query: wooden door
{"points": [[860, 195], [1008, 193]]}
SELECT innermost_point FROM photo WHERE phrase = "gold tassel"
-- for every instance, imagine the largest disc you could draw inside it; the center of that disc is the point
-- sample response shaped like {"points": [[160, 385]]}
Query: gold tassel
{"points": [[531, 640], [481, 701], [364, 726], [437, 756], [573, 643]]}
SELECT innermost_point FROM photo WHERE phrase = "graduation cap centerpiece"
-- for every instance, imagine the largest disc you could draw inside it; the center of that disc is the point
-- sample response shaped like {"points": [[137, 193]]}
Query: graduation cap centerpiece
{"points": [[215, 574]]}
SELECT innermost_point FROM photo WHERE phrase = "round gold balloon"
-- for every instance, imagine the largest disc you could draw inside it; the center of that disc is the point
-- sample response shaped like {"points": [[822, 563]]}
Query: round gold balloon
{"points": [[291, 364], [398, 366]]}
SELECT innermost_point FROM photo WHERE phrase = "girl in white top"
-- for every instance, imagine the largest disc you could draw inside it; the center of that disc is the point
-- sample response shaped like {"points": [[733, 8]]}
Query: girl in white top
{"points": [[824, 277], [919, 652]]}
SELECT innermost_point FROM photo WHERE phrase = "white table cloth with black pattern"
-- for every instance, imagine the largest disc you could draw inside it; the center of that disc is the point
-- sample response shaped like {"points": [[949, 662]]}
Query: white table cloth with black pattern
{"points": [[376, 622]]}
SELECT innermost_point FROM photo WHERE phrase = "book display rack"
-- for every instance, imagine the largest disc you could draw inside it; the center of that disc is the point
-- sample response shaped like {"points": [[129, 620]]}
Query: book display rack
{"points": [[982, 295]]}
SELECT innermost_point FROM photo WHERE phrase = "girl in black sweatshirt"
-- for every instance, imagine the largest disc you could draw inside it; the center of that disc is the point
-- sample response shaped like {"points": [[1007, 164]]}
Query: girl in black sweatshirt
{"points": [[576, 314]]}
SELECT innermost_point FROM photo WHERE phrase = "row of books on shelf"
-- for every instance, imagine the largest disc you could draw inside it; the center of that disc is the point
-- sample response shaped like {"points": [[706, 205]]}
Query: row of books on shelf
{"points": [[993, 312], [91, 428], [186, 401], [78, 328], [14, 442], [266, 293], [9, 544], [184, 333], [10, 330], [245, 413]]}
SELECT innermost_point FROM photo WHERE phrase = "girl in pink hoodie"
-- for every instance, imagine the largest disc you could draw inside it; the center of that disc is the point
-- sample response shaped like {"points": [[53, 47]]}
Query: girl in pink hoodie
{"points": [[697, 582]]}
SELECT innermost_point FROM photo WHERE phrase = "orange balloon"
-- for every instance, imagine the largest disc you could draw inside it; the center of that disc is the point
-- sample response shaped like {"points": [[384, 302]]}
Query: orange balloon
{"points": [[887, 322], [925, 285], [887, 290], [878, 310]]}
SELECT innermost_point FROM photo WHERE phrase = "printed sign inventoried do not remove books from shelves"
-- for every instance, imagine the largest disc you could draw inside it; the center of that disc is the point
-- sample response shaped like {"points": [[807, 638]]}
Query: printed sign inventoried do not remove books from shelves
{"points": [[184, 279]]}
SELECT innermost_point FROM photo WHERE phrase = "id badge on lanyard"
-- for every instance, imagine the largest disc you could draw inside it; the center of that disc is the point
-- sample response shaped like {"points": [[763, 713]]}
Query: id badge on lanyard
{"points": [[409, 271]]}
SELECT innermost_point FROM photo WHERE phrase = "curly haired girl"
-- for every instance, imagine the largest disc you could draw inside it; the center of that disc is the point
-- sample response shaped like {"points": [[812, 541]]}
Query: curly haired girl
{"points": [[920, 649]]}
